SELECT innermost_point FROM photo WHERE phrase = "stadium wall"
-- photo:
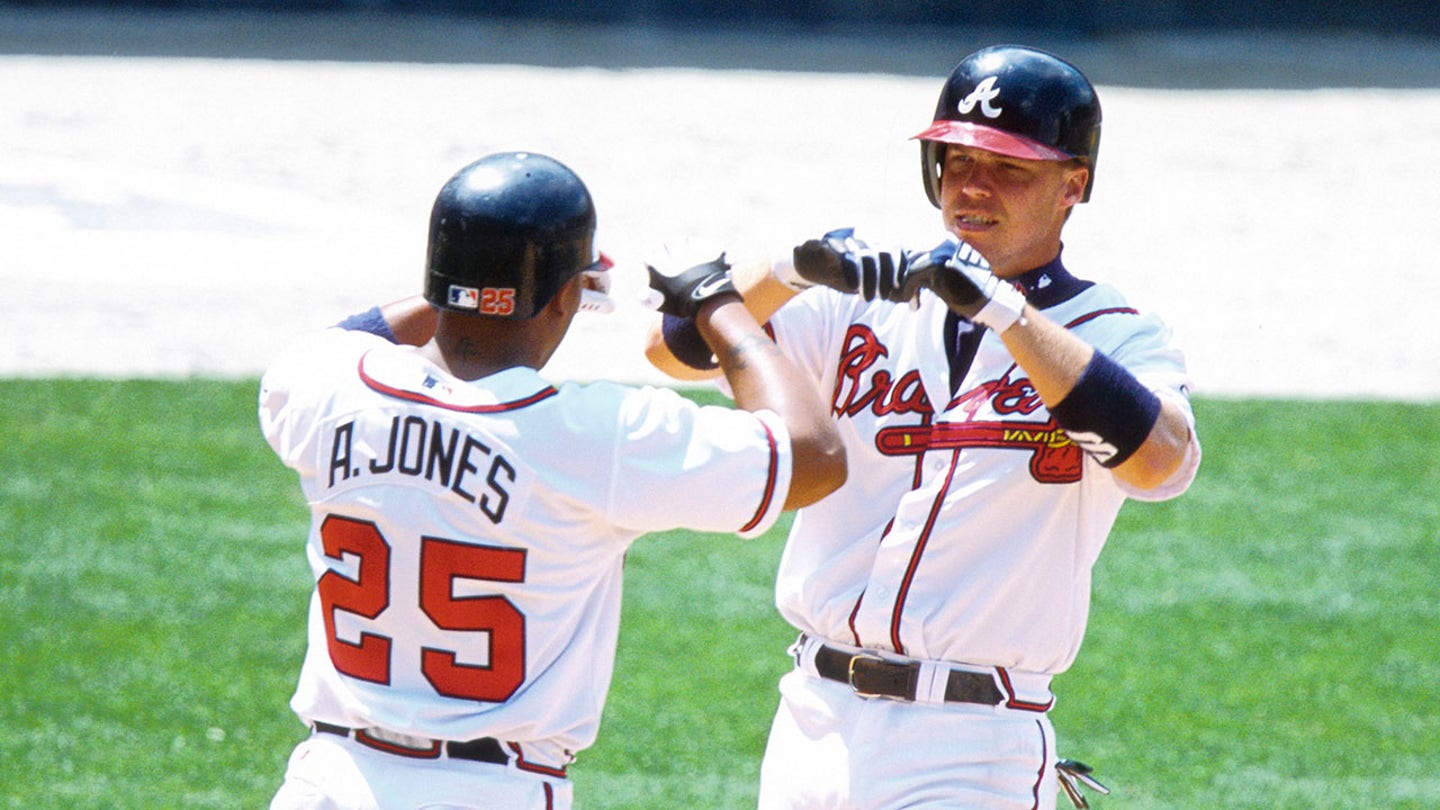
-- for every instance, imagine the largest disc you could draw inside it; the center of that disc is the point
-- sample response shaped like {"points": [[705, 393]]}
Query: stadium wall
{"points": [[1077, 17]]}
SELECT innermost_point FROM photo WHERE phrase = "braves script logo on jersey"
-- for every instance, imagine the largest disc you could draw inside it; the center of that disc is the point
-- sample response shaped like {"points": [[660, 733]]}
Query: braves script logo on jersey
{"points": [[882, 394], [1054, 459], [983, 94]]}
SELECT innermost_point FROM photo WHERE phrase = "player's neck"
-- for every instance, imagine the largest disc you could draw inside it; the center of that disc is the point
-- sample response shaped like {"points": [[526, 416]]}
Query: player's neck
{"points": [[481, 347]]}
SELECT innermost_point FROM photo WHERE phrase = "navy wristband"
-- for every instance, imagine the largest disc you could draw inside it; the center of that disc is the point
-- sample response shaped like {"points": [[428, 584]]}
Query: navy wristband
{"points": [[372, 321], [1108, 412], [683, 339]]}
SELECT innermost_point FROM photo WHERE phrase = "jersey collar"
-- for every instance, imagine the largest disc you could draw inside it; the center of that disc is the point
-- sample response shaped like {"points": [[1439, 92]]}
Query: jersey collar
{"points": [[398, 375], [1050, 284]]}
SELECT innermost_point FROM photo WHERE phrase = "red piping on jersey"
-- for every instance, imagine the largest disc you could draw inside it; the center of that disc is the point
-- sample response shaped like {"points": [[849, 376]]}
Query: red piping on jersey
{"points": [[771, 475], [1090, 316], [919, 551], [1044, 764], [855, 634], [916, 479], [411, 396]]}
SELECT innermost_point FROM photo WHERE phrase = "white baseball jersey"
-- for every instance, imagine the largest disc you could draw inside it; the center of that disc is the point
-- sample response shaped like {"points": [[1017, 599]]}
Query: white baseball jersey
{"points": [[969, 524], [467, 538]]}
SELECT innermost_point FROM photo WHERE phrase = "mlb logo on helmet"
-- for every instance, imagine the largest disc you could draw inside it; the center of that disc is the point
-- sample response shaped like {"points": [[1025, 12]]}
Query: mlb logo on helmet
{"points": [[464, 297]]}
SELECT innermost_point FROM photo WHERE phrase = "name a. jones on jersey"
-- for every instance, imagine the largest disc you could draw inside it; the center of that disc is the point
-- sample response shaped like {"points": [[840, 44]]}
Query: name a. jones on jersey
{"points": [[429, 450]]}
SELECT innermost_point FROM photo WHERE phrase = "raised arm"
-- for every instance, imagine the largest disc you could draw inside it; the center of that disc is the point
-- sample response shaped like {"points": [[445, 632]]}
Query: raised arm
{"points": [[760, 377], [1090, 394], [1141, 437]]}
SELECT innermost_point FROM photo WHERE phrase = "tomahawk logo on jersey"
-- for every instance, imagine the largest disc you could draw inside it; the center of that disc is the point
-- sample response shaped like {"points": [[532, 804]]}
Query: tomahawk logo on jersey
{"points": [[998, 413]]}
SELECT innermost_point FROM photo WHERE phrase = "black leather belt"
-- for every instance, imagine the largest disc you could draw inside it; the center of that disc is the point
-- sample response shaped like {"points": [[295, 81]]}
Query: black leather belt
{"points": [[872, 676], [484, 749]]}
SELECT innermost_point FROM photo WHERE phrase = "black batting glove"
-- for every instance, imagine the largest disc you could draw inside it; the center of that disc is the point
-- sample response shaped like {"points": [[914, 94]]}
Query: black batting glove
{"points": [[842, 262], [683, 293], [961, 277]]}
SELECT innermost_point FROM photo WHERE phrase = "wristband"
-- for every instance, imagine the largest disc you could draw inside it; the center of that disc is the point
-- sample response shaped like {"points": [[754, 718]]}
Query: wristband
{"points": [[372, 321], [1108, 412], [683, 339]]}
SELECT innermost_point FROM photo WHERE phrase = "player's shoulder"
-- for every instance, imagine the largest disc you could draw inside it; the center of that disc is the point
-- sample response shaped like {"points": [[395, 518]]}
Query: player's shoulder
{"points": [[320, 354], [1106, 318], [610, 400], [650, 411], [328, 340], [1095, 303]]}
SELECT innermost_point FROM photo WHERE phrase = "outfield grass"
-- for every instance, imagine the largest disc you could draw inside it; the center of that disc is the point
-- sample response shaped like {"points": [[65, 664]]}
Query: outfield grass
{"points": [[1268, 641]]}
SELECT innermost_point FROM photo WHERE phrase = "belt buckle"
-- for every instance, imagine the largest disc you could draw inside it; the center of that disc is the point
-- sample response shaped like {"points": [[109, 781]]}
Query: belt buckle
{"points": [[851, 673]]}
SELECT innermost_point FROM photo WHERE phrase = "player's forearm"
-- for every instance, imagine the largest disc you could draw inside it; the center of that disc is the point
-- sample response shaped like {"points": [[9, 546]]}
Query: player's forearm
{"points": [[1051, 356], [761, 378], [1162, 453], [1055, 359], [764, 294]]}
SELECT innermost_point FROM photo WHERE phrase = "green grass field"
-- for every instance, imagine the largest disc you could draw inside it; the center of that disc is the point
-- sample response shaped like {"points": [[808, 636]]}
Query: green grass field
{"points": [[1267, 641]]}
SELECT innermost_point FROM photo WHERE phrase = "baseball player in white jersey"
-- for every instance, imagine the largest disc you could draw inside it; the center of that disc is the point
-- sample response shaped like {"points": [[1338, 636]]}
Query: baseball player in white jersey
{"points": [[996, 416], [469, 519]]}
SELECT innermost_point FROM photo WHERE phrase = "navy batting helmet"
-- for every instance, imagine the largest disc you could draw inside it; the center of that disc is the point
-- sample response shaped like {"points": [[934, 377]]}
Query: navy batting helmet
{"points": [[506, 233], [1016, 101]]}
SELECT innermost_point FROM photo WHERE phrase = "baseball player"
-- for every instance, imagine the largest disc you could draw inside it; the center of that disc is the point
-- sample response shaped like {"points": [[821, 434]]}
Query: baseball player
{"points": [[469, 519], [996, 415]]}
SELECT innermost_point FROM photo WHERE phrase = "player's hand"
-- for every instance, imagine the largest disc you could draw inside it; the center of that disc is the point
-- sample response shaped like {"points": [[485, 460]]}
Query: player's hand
{"points": [[957, 273], [683, 293], [840, 261]]}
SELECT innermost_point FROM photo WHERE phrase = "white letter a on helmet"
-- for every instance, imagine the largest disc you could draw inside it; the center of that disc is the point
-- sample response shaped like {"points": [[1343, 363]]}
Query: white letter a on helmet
{"points": [[982, 95]]}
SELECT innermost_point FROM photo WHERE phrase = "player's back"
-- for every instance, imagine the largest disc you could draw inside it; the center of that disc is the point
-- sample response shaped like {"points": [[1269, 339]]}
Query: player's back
{"points": [[467, 569], [467, 538]]}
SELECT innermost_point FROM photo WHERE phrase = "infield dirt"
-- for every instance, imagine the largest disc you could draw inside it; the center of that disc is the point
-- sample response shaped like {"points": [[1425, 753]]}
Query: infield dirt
{"points": [[175, 202]]}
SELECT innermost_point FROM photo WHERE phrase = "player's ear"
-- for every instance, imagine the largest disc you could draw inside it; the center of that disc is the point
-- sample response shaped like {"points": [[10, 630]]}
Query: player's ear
{"points": [[566, 301], [1077, 178]]}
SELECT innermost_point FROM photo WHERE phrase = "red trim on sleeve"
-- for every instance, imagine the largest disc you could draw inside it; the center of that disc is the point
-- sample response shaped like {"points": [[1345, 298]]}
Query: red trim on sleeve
{"points": [[770, 481]]}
